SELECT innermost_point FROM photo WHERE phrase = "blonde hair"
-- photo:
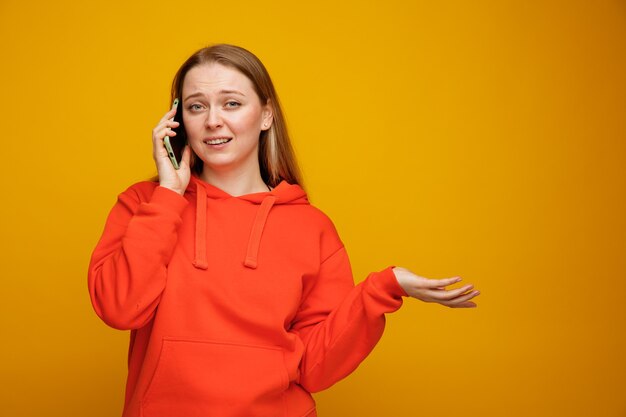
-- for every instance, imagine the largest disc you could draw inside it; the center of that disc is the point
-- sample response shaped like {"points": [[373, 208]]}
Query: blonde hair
{"points": [[276, 156]]}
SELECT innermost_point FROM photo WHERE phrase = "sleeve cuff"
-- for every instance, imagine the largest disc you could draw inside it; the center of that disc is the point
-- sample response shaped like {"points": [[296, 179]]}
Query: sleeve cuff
{"points": [[167, 198], [390, 284], [384, 291]]}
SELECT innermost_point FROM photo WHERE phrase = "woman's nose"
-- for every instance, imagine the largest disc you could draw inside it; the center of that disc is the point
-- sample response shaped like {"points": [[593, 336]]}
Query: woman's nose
{"points": [[213, 119]]}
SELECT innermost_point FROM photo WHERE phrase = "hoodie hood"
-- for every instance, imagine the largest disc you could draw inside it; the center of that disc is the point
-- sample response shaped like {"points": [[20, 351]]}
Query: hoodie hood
{"points": [[283, 193]]}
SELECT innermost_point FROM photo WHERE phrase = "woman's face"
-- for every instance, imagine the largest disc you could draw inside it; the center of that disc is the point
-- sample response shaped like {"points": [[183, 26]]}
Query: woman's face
{"points": [[223, 118]]}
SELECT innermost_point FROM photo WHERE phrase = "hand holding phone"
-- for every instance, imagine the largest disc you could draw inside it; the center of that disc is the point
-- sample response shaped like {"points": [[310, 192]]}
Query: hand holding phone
{"points": [[171, 154], [173, 145]]}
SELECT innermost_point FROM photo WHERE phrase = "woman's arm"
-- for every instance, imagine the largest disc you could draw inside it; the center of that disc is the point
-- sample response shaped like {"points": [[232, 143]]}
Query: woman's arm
{"points": [[128, 267], [340, 323]]}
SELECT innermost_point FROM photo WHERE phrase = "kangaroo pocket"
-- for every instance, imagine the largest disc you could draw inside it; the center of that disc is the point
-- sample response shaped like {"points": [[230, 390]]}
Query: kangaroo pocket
{"points": [[197, 378]]}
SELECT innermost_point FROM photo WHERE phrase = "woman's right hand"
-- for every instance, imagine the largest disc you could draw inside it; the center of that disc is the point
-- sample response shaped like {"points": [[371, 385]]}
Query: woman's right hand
{"points": [[169, 177]]}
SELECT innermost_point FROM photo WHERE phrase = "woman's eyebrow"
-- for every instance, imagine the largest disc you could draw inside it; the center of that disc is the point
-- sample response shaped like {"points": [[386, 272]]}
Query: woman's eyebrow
{"points": [[222, 92]]}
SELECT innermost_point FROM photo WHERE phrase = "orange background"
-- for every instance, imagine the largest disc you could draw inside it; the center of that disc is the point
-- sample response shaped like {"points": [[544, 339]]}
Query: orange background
{"points": [[485, 139]]}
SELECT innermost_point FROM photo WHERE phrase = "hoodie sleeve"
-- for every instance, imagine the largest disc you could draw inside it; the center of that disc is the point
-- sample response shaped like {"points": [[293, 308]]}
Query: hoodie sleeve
{"points": [[340, 323], [128, 267]]}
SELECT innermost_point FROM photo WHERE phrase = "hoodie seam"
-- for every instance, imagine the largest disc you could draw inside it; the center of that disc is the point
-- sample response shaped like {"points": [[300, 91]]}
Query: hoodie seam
{"points": [[332, 254], [308, 413], [337, 339]]}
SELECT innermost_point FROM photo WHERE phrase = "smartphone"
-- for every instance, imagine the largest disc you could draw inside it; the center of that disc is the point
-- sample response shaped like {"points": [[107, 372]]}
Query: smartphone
{"points": [[176, 144]]}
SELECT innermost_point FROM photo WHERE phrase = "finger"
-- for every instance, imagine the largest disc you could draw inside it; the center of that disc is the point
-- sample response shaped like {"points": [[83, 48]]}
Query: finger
{"points": [[159, 135], [169, 115], [168, 124], [468, 304], [435, 283], [166, 131], [452, 294], [462, 299], [443, 295], [158, 144], [186, 158]]}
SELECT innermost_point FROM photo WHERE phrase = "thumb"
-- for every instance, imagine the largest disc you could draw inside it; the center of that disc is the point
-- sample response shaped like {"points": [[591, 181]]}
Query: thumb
{"points": [[186, 158]]}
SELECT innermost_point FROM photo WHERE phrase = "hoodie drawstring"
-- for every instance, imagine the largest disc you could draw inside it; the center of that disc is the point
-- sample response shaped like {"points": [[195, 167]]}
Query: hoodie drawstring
{"points": [[200, 260], [252, 252], [257, 230]]}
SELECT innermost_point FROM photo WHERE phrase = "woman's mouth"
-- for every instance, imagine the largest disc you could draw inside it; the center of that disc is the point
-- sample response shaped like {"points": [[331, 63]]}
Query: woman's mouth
{"points": [[216, 141]]}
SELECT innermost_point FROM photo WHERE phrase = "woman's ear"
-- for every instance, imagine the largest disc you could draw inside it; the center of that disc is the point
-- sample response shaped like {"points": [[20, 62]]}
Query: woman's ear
{"points": [[268, 115]]}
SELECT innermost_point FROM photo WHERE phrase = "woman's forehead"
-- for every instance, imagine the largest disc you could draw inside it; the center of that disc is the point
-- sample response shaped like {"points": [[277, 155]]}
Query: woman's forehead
{"points": [[216, 79]]}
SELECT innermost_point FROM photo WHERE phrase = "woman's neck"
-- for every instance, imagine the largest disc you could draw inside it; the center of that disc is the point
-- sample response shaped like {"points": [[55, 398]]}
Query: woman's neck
{"points": [[234, 183]]}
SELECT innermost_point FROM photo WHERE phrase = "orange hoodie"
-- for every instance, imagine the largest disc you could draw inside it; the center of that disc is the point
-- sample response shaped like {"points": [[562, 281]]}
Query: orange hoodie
{"points": [[237, 306]]}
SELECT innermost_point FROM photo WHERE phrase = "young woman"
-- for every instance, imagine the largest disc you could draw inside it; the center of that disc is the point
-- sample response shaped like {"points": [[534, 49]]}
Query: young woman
{"points": [[238, 293]]}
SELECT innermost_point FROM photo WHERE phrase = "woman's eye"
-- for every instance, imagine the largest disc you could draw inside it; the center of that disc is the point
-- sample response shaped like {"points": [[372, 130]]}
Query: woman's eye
{"points": [[232, 104], [195, 107]]}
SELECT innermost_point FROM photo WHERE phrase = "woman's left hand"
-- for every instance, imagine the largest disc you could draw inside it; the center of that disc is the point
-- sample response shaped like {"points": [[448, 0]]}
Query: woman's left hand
{"points": [[434, 290]]}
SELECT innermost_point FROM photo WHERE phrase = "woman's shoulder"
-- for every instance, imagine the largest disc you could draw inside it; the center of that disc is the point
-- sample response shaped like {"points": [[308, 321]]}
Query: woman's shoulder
{"points": [[140, 191], [312, 214], [312, 219]]}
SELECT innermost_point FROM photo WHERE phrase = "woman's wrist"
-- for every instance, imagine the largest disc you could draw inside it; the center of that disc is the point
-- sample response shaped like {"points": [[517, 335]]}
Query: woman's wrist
{"points": [[177, 190]]}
